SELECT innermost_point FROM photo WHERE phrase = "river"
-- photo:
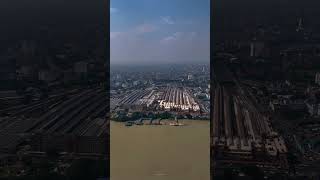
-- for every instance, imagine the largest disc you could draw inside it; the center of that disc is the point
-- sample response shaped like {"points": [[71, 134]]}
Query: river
{"points": [[160, 152]]}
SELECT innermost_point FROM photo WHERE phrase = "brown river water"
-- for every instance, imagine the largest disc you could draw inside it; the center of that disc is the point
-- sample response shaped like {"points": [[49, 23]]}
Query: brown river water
{"points": [[160, 152]]}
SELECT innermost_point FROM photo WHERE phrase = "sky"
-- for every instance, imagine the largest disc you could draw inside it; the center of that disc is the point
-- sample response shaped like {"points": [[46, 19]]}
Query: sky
{"points": [[159, 31]]}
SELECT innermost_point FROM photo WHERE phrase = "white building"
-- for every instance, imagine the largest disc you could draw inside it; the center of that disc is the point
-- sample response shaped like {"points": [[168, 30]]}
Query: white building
{"points": [[136, 83]]}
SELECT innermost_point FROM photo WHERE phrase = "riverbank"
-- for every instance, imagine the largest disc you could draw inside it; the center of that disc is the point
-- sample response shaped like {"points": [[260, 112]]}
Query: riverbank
{"points": [[182, 122]]}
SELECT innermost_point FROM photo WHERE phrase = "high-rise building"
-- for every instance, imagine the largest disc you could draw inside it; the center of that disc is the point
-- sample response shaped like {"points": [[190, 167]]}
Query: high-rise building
{"points": [[317, 78], [300, 24], [256, 48]]}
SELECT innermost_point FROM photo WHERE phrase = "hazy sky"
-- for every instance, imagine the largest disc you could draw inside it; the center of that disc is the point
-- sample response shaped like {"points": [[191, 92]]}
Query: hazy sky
{"points": [[159, 31]]}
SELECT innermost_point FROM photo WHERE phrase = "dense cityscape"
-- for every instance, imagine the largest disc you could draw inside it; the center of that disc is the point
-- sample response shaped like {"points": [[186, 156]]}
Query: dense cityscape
{"points": [[265, 119], [166, 92], [259, 95], [53, 108]]}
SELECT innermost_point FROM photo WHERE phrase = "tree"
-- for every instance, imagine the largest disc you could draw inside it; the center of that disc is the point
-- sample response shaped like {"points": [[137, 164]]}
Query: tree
{"points": [[136, 115], [165, 115], [151, 115]]}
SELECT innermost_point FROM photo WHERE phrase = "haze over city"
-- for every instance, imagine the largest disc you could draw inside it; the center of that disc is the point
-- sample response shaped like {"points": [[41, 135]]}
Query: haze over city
{"points": [[159, 32]]}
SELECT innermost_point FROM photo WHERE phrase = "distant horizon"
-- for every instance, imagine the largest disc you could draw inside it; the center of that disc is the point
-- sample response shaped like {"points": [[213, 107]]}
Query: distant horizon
{"points": [[161, 63], [159, 31]]}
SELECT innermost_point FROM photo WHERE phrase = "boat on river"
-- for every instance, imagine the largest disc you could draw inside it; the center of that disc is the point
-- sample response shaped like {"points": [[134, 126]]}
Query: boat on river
{"points": [[176, 123], [128, 123]]}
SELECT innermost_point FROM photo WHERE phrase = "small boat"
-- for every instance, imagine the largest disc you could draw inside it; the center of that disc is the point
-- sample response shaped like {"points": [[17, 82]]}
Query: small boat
{"points": [[139, 123], [176, 123], [160, 174], [128, 123]]}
